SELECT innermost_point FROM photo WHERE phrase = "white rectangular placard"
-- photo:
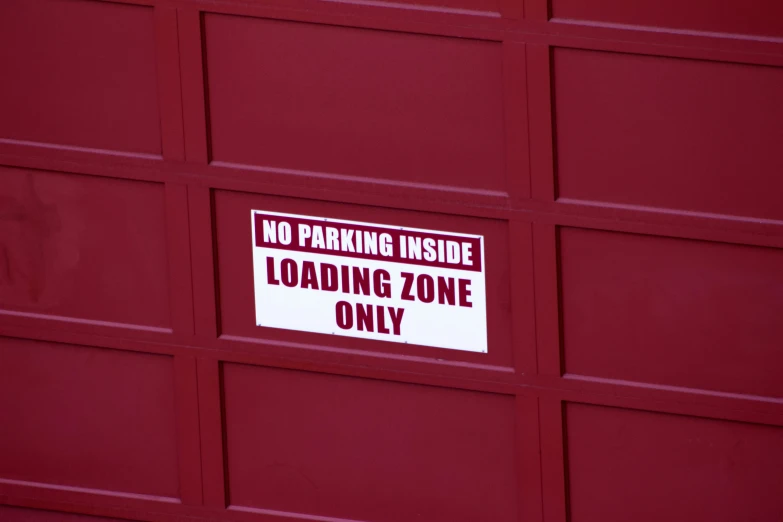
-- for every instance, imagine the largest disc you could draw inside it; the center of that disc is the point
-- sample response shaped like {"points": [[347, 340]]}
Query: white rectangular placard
{"points": [[381, 282]]}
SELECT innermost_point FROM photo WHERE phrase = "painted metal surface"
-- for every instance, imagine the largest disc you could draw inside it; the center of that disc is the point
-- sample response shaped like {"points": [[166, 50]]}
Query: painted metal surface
{"points": [[619, 161]]}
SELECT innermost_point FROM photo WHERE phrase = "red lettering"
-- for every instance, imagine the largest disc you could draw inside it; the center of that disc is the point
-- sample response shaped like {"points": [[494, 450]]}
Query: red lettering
{"points": [[396, 317], [344, 314], [425, 288], [328, 277], [361, 280], [344, 278], [289, 272], [309, 279], [270, 271], [380, 283], [445, 290], [464, 293], [406, 287], [364, 317], [381, 319]]}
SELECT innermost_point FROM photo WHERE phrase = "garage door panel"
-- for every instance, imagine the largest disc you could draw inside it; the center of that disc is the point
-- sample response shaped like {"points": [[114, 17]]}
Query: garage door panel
{"points": [[671, 133], [445, 6], [84, 417], [614, 354], [344, 447], [635, 465], [235, 275], [15, 514], [369, 104], [763, 17], [83, 248], [83, 75], [672, 311], [442, 7]]}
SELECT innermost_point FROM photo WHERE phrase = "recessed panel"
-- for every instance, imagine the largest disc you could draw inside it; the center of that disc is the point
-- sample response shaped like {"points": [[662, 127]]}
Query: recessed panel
{"points": [[764, 17], [672, 311], [666, 132], [358, 449], [371, 104], [87, 417], [487, 6], [238, 316], [83, 75], [482, 7], [15, 514], [83, 247], [633, 465]]}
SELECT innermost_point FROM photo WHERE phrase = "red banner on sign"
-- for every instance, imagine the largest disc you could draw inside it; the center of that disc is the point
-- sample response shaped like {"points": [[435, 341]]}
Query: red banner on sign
{"points": [[397, 245]]}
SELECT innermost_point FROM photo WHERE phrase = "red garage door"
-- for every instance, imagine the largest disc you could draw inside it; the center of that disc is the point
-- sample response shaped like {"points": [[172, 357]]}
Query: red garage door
{"points": [[439, 261]]}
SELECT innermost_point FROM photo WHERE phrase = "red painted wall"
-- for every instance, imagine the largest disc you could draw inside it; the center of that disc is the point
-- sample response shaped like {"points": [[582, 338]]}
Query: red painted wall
{"points": [[621, 160]]}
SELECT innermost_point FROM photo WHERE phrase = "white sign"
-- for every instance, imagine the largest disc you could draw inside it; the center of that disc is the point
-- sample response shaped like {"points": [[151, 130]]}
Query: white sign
{"points": [[397, 284]]}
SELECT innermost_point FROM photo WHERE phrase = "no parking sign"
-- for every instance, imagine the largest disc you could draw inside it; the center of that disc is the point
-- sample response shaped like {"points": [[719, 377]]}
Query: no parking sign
{"points": [[371, 281]]}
